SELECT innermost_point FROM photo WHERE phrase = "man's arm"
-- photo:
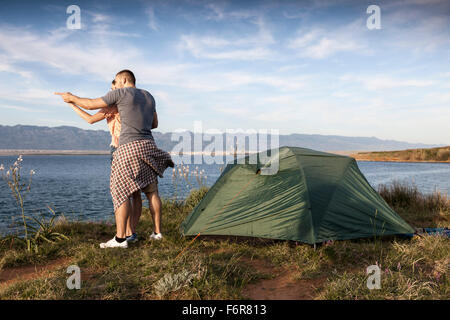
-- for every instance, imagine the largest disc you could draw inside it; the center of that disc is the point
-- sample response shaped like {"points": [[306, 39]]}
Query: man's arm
{"points": [[89, 104]]}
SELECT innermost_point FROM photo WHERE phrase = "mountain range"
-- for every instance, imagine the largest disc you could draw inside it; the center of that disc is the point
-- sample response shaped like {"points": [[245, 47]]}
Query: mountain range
{"points": [[25, 137]]}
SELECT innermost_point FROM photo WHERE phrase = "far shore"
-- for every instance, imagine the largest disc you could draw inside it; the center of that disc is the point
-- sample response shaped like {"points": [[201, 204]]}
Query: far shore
{"points": [[17, 152], [24, 152], [12, 152], [395, 160], [354, 154]]}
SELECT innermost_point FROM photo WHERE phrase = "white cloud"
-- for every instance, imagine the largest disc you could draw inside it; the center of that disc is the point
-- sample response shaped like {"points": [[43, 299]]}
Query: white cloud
{"points": [[65, 122], [218, 11], [102, 61], [232, 111], [20, 108], [379, 82], [319, 42], [99, 17], [255, 46], [440, 97], [305, 39], [224, 49], [281, 82], [66, 56], [419, 29], [24, 94], [326, 47], [102, 30], [152, 22], [7, 67], [101, 25]]}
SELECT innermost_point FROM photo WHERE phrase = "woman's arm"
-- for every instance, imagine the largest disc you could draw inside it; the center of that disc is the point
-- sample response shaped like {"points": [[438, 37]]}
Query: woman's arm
{"points": [[155, 120], [100, 115]]}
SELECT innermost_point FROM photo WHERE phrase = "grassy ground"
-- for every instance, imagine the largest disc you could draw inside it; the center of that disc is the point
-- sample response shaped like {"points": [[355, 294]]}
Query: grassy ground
{"points": [[226, 268]]}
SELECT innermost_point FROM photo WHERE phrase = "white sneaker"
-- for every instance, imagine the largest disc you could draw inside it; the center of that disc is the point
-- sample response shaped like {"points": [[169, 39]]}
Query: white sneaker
{"points": [[156, 236], [114, 244]]}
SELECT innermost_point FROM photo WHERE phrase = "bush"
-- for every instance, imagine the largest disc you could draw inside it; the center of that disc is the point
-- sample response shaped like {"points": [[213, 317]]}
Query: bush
{"points": [[195, 197], [443, 155], [421, 210], [405, 195]]}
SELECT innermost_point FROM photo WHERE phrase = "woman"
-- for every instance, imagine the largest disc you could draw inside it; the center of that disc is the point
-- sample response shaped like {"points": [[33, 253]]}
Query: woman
{"points": [[111, 114]]}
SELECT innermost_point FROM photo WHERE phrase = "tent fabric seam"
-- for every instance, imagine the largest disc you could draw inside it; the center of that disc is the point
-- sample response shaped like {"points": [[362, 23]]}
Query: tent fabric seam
{"points": [[307, 195], [334, 192]]}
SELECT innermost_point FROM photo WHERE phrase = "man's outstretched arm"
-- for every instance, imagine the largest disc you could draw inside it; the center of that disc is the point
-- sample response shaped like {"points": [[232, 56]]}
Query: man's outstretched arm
{"points": [[85, 103]]}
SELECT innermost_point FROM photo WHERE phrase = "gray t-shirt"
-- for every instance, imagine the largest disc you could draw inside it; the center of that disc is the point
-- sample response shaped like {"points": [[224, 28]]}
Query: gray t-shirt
{"points": [[136, 108]]}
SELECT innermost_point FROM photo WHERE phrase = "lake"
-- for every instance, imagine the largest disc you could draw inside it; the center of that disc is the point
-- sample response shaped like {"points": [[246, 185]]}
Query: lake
{"points": [[78, 185]]}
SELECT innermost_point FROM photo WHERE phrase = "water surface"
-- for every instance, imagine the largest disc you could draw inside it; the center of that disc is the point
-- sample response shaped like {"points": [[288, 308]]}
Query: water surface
{"points": [[78, 185]]}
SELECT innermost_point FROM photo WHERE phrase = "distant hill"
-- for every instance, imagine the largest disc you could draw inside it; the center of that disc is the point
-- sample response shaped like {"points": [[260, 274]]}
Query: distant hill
{"points": [[72, 138], [428, 155]]}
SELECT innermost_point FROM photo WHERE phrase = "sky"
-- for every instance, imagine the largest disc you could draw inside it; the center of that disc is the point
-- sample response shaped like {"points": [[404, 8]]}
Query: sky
{"points": [[311, 67]]}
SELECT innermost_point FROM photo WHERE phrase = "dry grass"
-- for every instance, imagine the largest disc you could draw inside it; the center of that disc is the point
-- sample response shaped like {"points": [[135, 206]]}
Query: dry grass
{"points": [[214, 268], [420, 210], [441, 154]]}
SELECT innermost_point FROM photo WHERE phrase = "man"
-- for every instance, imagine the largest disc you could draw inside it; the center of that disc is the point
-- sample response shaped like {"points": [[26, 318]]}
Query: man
{"points": [[111, 114], [137, 161]]}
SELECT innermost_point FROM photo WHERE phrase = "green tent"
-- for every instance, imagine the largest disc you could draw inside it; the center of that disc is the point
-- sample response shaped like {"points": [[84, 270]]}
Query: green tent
{"points": [[314, 197]]}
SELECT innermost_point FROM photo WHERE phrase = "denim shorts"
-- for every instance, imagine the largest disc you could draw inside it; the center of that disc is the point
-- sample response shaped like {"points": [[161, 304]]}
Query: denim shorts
{"points": [[152, 187]]}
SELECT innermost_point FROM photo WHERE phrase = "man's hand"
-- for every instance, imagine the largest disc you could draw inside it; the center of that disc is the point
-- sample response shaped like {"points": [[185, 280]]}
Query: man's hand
{"points": [[85, 103], [67, 96]]}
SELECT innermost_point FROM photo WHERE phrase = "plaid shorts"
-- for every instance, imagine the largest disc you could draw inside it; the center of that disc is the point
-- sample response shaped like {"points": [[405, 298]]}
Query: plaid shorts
{"points": [[135, 166]]}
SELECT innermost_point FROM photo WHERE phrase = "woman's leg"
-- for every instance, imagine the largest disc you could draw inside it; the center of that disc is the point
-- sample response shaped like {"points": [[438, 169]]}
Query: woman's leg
{"points": [[136, 210], [129, 229], [135, 213]]}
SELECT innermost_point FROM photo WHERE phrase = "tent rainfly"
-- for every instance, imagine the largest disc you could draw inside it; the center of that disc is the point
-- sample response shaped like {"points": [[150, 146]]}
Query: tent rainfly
{"points": [[314, 197]]}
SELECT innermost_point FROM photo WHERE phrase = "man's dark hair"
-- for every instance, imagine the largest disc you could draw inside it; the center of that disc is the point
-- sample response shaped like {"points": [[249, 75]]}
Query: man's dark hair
{"points": [[128, 75]]}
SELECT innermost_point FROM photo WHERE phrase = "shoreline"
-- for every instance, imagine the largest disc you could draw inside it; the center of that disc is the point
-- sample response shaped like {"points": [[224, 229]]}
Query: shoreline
{"points": [[396, 160], [28, 152], [12, 152]]}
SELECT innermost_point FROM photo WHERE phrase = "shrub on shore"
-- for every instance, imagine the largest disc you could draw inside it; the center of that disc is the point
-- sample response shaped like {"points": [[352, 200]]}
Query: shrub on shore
{"points": [[431, 154], [418, 209]]}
